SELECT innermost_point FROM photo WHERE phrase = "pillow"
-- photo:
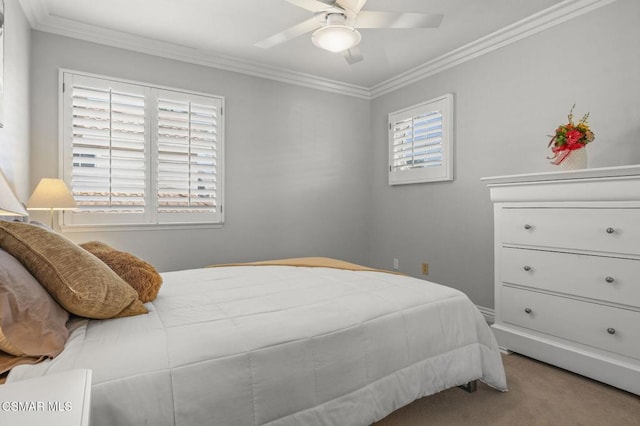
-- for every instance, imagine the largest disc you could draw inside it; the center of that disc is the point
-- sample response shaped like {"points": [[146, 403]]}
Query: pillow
{"points": [[32, 324], [140, 275], [80, 282]]}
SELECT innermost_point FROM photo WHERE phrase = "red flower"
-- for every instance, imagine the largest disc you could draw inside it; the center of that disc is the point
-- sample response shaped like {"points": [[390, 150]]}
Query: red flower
{"points": [[573, 136], [569, 137]]}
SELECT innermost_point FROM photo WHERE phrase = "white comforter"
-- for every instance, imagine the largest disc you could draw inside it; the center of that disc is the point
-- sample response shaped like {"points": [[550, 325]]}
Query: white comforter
{"points": [[279, 345]]}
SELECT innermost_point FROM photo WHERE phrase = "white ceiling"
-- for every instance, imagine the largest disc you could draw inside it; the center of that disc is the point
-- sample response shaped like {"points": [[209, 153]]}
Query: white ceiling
{"points": [[223, 32]]}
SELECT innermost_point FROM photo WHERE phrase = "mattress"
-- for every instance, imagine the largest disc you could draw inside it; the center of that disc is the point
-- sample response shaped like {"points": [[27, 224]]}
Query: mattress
{"points": [[279, 345]]}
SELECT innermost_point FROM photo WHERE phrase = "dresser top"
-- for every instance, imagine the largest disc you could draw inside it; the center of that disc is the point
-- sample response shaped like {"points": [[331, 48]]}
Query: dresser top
{"points": [[596, 173]]}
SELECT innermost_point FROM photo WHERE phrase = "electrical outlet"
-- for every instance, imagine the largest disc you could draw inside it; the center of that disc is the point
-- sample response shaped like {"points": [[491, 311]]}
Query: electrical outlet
{"points": [[425, 269], [395, 265]]}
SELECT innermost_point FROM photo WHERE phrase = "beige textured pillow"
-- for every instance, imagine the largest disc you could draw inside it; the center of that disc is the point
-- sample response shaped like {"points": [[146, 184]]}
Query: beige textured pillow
{"points": [[32, 324], [80, 282], [140, 275]]}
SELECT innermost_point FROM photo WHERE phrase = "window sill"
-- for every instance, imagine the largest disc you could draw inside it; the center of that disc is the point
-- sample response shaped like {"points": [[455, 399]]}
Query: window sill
{"points": [[139, 227]]}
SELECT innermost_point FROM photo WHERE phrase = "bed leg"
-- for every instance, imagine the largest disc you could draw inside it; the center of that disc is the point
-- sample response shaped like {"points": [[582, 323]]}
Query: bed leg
{"points": [[470, 387]]}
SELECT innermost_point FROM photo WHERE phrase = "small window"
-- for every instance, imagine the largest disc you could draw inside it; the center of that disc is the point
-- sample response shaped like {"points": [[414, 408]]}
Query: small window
{"points": [[421, 142], [135, 154]]}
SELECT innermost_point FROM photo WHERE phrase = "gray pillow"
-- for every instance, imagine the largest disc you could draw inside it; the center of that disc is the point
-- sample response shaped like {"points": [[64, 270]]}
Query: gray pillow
{"points": [[32, 324]]}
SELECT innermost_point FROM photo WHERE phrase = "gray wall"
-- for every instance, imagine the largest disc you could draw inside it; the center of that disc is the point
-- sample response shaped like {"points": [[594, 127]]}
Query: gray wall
{"points": [[507, 102], [14, 136], [306, 170], [295, 169]]}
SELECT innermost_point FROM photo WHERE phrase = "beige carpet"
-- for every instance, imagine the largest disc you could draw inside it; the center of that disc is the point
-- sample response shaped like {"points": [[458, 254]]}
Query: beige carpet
{"points": [[539, 394]]}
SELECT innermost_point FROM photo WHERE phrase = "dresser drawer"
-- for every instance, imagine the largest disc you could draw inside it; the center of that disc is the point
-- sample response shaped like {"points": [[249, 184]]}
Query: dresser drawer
{"points": [[604, 278], [603, 230], [604, 327]]}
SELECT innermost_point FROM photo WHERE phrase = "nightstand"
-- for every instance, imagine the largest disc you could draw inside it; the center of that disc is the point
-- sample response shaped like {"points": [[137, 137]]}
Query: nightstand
{"points": [[61, 399], [567, 262]]}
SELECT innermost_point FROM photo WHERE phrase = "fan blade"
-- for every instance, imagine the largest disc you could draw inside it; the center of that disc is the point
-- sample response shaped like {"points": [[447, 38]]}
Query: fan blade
{"points": [[368, 19], [290, 33], [353, 55], [311, 5], [353, 5]]}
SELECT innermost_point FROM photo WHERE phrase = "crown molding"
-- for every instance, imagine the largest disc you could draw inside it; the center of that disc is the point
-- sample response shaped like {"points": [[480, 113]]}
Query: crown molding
{"points": [[529, 26], [35, 11], [39, 18]]}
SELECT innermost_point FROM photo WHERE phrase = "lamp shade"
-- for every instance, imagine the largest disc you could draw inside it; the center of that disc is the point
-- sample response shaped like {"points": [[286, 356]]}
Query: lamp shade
{"points": [[9, 203], [336, 38], [51, 194]]}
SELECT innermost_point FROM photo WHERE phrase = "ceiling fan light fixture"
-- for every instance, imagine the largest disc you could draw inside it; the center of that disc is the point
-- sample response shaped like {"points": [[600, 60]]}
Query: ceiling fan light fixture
{"points": [[336, 38]]}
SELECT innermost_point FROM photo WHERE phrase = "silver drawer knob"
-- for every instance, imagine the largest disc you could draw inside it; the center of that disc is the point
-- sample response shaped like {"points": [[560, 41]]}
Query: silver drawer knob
{"points": [[527, 310], [609, 279], [527, 268], [611, 330], [527, 226], [610, 230]]}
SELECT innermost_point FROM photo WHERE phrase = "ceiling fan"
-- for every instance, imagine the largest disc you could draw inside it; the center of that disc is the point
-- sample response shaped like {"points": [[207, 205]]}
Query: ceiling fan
{"points": [[335, 22]]}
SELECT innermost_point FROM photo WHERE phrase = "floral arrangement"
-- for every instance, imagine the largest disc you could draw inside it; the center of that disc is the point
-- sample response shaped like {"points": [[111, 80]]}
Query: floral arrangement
{"points": [[569, 137]]}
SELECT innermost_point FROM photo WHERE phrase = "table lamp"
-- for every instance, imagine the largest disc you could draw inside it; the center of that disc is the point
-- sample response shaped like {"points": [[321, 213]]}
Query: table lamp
{"points": [[9, 203], [51, 194]]}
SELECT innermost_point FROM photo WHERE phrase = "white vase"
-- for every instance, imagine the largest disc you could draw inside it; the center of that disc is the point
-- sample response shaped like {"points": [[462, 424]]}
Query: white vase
{"points": [[577, 159]]}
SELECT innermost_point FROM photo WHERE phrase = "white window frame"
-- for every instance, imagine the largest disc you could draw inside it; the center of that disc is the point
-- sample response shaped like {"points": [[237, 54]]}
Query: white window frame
{"points": [[421, 174], [150, 219]]}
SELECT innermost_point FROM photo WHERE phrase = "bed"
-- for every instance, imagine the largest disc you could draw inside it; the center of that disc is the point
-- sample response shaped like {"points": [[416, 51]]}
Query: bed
{"points": [[315, 343]]}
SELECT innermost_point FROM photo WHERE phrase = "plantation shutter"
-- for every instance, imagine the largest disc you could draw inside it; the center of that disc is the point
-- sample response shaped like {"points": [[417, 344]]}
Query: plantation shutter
{"points": [[417, 141], [106, 140], [188, 133], [135, 154], [420, 142]]}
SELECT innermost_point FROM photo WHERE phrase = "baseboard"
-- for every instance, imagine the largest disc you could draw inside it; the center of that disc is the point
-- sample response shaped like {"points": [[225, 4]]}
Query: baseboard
{"points": [[489, 314]]}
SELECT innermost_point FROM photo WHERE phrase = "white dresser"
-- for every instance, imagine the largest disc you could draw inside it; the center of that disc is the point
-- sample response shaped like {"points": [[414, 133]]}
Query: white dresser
{"points": [[567, 270]]}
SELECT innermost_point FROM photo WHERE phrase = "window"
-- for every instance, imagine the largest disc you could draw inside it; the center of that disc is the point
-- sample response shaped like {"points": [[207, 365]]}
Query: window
{"points": [[137, 154], [421, 142]]}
